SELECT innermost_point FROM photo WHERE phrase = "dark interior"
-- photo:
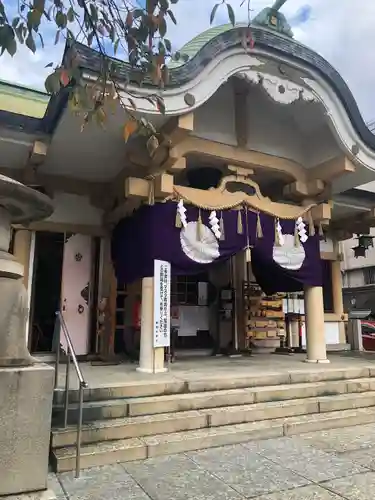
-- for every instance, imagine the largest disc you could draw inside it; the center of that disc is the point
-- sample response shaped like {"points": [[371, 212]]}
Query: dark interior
{"points": [[49, 248]]}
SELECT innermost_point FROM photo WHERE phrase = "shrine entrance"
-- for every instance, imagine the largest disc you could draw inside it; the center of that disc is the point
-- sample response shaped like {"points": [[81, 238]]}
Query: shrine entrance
{"points": [[267, 249]]}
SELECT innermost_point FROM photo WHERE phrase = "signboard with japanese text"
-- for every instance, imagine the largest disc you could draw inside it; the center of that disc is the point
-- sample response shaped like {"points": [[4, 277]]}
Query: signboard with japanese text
{"points": [[162, 303]]}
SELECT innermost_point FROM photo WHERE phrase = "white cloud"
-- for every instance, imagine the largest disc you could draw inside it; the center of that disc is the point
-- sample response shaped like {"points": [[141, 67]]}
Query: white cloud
{"points": [[344, 39]]}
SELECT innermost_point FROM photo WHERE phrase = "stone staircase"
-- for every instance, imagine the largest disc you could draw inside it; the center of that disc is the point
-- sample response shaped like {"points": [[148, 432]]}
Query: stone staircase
{"points": [[142, 420]]}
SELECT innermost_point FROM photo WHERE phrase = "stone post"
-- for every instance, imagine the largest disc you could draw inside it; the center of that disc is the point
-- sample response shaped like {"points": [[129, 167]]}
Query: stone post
{"points": [[26, 388], [150, 360], [315, 331]]}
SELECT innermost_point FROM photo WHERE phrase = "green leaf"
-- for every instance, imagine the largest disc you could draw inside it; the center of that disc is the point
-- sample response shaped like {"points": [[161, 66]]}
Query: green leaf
{"points": [[39, 5], [30, 43], [33, 19], [70, 15], [231, 15], [213, 13], [11, 46], [161, 48], [168, 44], [94, 13], [2, 11], [52, 83], [61, 20], [164, 4], [115, 46], [171, 15]]}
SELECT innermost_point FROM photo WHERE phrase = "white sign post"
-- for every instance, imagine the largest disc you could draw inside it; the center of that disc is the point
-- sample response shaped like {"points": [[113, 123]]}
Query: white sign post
{"points": [[162, 303]]}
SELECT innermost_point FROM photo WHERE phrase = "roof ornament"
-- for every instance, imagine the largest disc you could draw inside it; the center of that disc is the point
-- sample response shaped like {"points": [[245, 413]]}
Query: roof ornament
{"points": [[272, 18]]}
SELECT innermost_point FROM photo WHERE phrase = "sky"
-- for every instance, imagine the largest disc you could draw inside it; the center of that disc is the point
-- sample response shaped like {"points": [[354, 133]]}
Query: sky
{"points": [[333, 28]]}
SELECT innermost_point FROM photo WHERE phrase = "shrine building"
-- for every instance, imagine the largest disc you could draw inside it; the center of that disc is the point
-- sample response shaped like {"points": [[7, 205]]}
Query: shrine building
{"points": [[238, 212]]}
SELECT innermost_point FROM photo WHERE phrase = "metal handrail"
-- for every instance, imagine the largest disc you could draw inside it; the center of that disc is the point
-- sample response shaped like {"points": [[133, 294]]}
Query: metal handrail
{"points": [[70, 353]]}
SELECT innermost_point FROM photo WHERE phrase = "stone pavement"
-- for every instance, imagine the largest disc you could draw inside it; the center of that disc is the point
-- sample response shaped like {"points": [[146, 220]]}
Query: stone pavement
{"points": [[325, 465]]}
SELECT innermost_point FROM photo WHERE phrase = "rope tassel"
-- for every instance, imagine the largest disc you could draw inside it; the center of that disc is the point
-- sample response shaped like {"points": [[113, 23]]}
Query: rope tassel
{"points": [[321, 232], [151, 192], [199, 227], [239, 222], [221, 225], [259, 230], [277, 235], [311, 224]]}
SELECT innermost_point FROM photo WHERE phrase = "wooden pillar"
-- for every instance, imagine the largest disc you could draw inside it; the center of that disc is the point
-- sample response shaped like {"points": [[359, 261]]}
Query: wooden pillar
{"points": [[108, 291], [337, 294]]}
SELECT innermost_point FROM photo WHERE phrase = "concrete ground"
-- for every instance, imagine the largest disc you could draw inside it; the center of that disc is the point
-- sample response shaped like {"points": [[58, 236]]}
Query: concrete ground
{"points": [[326, 465]]}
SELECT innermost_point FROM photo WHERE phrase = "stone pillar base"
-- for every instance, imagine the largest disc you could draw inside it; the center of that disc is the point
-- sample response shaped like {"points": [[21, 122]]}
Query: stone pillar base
{"points": [[150, 370], [318, 361], [25, 414]]}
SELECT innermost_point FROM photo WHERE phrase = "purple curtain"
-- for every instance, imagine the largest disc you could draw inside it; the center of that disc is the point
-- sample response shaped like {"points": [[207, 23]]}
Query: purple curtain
{"points": [[150, 234]]}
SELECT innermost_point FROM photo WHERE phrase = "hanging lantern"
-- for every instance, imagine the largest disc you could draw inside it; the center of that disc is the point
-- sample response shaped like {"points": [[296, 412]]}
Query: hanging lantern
{"points": [[359, 251], [365, 241]]}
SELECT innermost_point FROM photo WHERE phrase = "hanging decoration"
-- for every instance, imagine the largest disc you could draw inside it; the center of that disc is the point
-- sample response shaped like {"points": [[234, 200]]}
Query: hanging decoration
{"points": [[181, 220], [199, 227], [222, 230], [239, 222], [311, 224], [214, 223], [300, 232], [259, 230], [279, 237], [365, 241], [151, 191], [247, 249]]}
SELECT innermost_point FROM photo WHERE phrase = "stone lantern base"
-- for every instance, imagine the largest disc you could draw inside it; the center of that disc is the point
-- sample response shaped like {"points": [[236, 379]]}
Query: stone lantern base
{"points": [[25, 416], [26, 387]]}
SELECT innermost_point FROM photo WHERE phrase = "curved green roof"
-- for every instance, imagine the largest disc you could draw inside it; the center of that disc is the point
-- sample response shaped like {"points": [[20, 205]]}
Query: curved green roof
{"points": [[192, 47]]}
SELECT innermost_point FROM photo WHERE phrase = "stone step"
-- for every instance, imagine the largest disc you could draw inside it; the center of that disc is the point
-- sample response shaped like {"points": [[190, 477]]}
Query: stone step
{"points": [[147, 388], [123, 428], [236, 397], [119, 408], [92, 411], [63, 459]]}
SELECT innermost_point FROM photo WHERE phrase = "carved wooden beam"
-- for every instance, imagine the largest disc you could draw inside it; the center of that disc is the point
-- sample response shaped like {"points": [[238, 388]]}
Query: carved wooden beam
{"points": [[240, 157], [140, 188], [322, 213], [299, 189], [330, 169], [178, 128]]}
